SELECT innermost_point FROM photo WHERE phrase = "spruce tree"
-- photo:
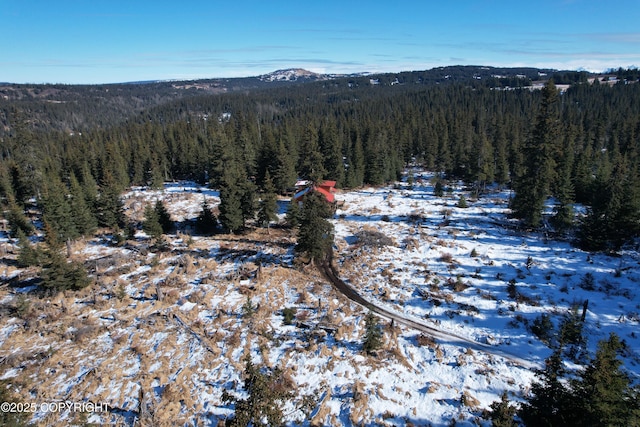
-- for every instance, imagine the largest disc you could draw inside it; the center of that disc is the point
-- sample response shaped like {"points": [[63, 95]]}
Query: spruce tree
{"points": [[266, 393], [502, 413], [356, 168], [268, 202], [372, 334], [248, 201], [438, 188], [331, 147], [60, 275], [549, 399], [18, 221], [206, 222], [613, 218], [284, 175], [163, 216], [532, 185], [22, 189], [29, 254], [231, 214], [501, 158], [57, 209], [603, 393], [84, 219], [311, 161], [293, 214], [109, 206], [315, 235], [151, 224]]}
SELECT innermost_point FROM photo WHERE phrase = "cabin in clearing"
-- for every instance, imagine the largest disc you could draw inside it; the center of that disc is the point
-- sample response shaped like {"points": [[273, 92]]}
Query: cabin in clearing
{"points": [[326, 188]]}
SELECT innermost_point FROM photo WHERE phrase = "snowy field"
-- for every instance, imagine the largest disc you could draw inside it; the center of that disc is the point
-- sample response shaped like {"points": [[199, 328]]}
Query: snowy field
{"points": [[161, 334]]}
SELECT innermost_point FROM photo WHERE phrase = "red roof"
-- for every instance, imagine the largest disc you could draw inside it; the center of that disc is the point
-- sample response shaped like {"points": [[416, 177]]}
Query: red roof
{"points": [[326, 188]]}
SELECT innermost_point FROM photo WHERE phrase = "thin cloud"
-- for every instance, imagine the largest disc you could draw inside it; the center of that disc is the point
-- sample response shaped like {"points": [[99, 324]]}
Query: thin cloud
{"points": [[632, 38]]}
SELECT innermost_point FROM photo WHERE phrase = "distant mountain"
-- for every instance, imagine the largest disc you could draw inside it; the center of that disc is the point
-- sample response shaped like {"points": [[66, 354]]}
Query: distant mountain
{"points": [[301, 75], [292, 75]]}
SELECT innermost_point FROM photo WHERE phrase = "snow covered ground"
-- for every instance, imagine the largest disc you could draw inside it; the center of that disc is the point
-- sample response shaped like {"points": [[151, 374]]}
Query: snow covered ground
{"points": [[162, 334]]}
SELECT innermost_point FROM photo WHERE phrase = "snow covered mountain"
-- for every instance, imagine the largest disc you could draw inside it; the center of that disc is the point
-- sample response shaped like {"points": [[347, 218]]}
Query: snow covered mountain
{"points": [[292, 75]]}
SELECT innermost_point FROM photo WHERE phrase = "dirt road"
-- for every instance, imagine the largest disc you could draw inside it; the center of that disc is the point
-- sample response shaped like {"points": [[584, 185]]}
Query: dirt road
{"points": [[327, 268]]}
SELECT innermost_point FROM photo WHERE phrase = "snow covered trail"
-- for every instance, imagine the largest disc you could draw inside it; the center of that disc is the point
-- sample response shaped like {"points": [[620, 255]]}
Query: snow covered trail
{"points": [[328, 270]]}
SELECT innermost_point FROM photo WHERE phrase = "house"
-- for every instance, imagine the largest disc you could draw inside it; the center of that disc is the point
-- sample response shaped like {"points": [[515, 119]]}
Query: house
{"points": [[326, 188]]}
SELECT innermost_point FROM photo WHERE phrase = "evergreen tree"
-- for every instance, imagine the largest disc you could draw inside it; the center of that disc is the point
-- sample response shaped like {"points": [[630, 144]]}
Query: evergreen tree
{"points": [[614, 215], [502, 163], [563, 214], [483, 166], [331, 147], [90, 189], [84, 219], [248, 201], [206, 222], [532, 186], [284, 175], [602, 393], [153, 176], [57, 210], [231, 214], [151, 224], [462, 202], [315, 235], [29, 255], [549, 399], [6, 191], [376, 159], [109, 206], [438, 188], [311, 161], [266, 393], [502, 413], [294, 214], [372, 334], [18, 220], [268, 202], [22, 189], [356, 164], [163, 216], [60, 275]]}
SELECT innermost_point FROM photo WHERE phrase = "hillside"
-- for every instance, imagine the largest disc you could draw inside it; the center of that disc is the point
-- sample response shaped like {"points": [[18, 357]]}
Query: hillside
{"points": [[162, 333], [80, 108]]}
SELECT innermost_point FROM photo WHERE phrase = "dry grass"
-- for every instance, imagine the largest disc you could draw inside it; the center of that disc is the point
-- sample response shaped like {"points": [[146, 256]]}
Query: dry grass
{"points": [[469, 401], [360, 413]]}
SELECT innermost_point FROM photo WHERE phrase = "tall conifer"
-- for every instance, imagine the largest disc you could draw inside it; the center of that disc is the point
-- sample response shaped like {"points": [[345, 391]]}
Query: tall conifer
{"points": [[315, 235], [533, 184]]}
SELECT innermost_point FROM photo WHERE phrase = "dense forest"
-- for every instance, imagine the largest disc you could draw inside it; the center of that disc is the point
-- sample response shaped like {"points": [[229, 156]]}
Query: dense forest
{"points": [[578, 145]]}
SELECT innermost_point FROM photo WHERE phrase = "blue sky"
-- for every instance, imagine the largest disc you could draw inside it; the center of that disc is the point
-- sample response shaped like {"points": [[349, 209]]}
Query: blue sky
{"points": [[106, 41]]}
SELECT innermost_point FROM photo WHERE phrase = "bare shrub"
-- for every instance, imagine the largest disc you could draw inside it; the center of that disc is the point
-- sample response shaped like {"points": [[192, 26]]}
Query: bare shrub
{"points": [[303, 297], [458, 285], [411, 243], [171, 296], [233, 341], [466, 399], [426, 340], [446, 257], [302, 316], [373, 238]]}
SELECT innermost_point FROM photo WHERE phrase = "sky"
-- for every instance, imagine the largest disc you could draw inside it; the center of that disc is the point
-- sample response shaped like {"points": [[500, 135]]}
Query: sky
{"points": [[110, 41]]}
